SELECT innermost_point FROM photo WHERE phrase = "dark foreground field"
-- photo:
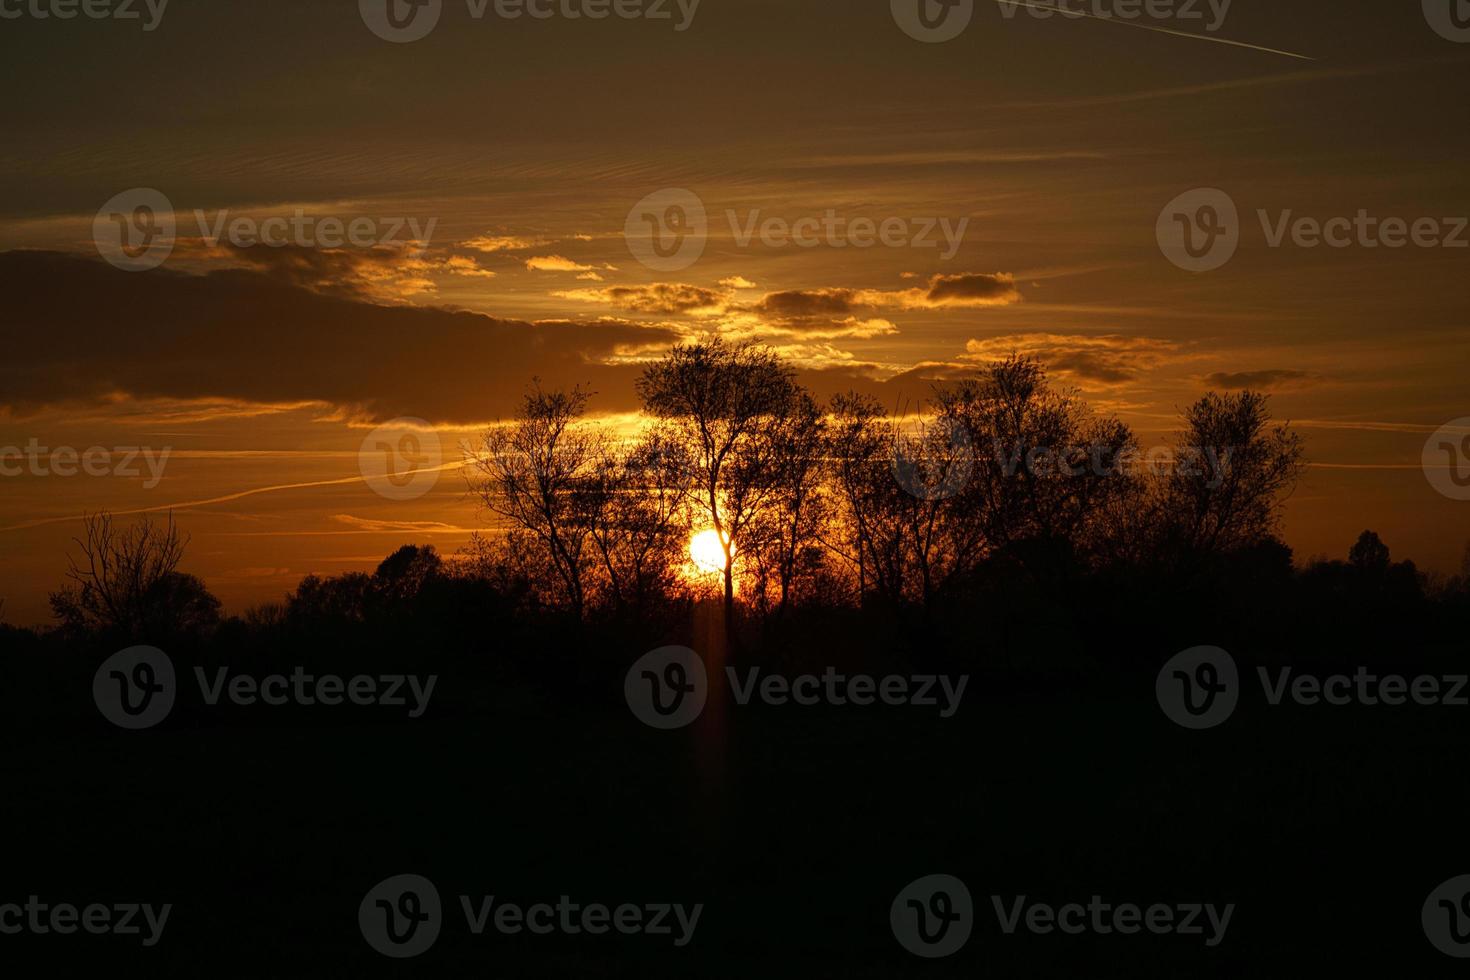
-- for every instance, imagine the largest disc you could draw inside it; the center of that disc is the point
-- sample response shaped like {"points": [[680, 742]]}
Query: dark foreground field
{"points": [[795, 827]]}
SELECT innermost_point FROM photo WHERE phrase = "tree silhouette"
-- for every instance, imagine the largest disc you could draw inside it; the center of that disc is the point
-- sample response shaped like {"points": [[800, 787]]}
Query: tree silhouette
{"points": [[539, 473], [723, 403], [125, 585]]}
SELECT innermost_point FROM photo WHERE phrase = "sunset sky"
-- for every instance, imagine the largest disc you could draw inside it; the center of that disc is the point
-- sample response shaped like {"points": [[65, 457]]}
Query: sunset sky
{"points": [[520, 147]]}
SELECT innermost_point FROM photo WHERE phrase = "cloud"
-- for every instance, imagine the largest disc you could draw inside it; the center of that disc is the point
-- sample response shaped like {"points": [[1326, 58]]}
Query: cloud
{"points": [[970, 289], [560, 263], [372, 524], [463, 265], [504, 243], [737, 282], [1105, 359], [659, 297], [1261, 380], [801, 303], [382, 273], [964, 290], [82, 332]]}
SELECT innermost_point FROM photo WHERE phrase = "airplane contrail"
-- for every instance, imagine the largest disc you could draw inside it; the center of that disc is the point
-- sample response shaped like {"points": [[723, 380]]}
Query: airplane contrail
{"points": [[227, 498], [1158, 30]]}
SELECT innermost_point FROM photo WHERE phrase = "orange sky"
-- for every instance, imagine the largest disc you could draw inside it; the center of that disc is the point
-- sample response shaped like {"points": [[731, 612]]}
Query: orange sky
{"points": [[520, 148]]}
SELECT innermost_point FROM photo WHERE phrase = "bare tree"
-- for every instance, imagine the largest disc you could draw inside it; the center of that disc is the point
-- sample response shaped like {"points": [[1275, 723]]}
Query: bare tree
{"points": [[872, 508], [1239, 468], [784, 538], [719, 401], [126, 583], [538, 472], [639, 518]]}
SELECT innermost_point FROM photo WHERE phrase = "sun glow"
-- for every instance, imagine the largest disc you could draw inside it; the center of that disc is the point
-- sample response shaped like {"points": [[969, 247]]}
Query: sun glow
{"points": [[707, 551]]}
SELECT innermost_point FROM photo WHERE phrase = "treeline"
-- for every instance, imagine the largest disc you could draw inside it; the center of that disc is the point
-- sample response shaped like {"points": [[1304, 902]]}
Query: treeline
{"points": [[842, 504], [1006, 520]]}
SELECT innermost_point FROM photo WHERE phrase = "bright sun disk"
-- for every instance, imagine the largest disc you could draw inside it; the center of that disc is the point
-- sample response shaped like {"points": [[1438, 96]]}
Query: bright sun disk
{"points": [[707, 551]]}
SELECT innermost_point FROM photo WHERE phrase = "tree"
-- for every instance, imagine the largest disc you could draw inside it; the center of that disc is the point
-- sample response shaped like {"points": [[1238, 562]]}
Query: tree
{"points": [[1002, 463], [538, 472], [870, 527], [1237, 470], [784, 538], [638, 518], [719, 400], [126, 586], [1045, 474], [1369, 555]]}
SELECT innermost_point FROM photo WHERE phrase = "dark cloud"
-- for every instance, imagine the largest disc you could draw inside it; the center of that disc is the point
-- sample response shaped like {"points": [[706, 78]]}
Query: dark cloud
{"points": [[803, 303], [1260, 380], [1099, 359], [81, 331], [972, 289], [659, 297]]}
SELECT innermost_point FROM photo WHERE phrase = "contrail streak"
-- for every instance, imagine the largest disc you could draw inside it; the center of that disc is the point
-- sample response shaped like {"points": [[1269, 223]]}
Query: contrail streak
{"points": [[1158, 30], [227, 498]]}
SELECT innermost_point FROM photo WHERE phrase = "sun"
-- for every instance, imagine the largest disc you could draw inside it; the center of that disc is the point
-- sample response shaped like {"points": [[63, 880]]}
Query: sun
{"points": [[707, 551]]}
